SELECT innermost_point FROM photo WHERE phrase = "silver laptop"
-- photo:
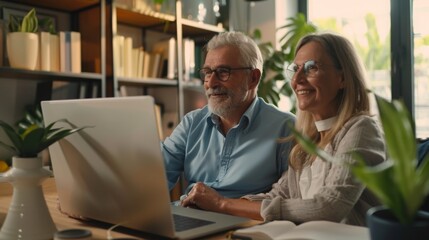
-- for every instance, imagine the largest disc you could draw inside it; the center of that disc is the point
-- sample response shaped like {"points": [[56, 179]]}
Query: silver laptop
{"points": [[114, 172]]}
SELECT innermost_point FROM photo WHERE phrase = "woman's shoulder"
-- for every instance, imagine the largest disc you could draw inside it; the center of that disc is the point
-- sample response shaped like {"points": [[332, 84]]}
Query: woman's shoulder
{"points": [[362, 121], [360, 126]]}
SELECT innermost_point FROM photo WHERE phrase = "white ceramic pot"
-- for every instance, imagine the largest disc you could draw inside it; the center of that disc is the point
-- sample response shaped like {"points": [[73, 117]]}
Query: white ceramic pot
{"points": [[28, 216], [22, 49]]}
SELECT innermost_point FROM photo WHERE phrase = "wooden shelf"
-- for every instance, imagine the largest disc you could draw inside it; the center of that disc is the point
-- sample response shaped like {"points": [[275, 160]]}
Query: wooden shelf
{"points": [[128, 81], [193, 28], [22, 74], [144, 19], [62, 5]]}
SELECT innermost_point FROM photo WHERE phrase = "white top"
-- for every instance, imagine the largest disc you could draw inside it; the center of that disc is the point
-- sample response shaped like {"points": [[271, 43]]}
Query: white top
{"points": [[312, 178]]}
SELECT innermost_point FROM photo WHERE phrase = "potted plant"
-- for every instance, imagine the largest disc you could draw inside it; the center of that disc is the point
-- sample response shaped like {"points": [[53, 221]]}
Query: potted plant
{"points": [[22, 41], [275, 61], [399, 183], [26, 175]]}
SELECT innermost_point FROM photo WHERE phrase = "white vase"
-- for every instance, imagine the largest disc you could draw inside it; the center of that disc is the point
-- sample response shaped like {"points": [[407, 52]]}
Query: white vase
{"points": [[22, 49], [28, 216]]}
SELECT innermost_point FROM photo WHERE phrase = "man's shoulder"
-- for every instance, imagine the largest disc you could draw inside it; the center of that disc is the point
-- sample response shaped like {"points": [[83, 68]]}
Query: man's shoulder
{"points": [[270, 109]]}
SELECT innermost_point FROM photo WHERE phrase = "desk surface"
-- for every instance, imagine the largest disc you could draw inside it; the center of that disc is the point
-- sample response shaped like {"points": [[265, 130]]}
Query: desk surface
{"points": [[99, 231]]}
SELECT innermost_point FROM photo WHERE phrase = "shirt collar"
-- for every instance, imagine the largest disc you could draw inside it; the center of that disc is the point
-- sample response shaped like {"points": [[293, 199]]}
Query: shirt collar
{"points": [[325, 124]]}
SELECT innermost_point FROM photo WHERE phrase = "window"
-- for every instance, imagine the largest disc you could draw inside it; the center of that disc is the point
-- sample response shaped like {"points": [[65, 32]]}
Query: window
{"points": [[421, 67], [366, 24]]}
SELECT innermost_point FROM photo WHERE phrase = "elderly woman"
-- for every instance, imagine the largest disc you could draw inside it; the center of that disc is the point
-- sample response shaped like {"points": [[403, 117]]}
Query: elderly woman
{"points": [[333, 110]]}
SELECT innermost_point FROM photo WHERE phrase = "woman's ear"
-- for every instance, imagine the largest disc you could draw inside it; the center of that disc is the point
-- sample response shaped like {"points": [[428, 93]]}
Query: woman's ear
{"points": [[342, 82]]}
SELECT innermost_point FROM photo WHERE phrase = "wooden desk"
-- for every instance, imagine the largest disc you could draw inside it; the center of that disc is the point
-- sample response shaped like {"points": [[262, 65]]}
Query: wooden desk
{"points": [[99, 231]]}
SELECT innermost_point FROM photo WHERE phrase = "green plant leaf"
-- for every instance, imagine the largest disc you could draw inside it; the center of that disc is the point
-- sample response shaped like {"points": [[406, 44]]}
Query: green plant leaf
{"points": [[32, 141], [47, 24], [14, 24], [8, 147], [35, 138], [275, 60], [402, 150], [13, 136], [30, 22], [378, 180]]}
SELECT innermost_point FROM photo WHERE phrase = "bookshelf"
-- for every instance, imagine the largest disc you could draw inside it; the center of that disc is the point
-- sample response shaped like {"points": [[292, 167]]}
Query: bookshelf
{"points": [[70, 15], [174, 94], [98, 22]]}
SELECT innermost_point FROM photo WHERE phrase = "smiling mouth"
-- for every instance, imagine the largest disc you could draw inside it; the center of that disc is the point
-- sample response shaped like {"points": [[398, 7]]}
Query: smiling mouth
{"points": [[217, 95], [302, 92]]}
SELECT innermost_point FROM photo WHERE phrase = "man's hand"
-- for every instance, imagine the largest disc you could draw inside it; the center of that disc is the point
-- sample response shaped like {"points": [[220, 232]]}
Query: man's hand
{"points": [[204, 197]]}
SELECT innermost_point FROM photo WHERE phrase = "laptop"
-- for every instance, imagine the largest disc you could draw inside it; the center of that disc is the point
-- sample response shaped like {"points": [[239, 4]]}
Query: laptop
{"points": [[114, 172]]}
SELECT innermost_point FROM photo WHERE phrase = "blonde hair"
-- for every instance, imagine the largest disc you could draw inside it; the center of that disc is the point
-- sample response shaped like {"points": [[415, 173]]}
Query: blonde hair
{"points": [[353, 100]]}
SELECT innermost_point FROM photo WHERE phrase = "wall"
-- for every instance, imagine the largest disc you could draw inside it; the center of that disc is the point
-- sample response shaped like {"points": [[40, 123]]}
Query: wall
{"points": [[269, 15]]}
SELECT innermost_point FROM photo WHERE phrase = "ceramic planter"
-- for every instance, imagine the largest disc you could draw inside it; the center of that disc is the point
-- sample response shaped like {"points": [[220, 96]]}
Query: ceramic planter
{"points": [[22, 49], [28, 216], [383, 225]]}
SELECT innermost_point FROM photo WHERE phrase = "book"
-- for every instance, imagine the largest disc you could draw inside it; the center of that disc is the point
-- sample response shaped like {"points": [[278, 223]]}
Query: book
{"points": [[140, 62], [168, 50], [188, 58], [45, 51], [321, 230], [65, 52], [70, 52], [146, 64], [159, 121], [135, 52], [76, 55], [128, 46], [54, 52], [154, 64]]}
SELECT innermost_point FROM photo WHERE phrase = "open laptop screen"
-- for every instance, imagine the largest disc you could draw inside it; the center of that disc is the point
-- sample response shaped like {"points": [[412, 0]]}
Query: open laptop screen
{"points": [[112, 171]]}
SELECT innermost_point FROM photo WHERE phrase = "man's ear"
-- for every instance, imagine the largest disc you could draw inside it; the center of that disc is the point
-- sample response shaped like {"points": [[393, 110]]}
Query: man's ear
{"points": [[256, 77]]}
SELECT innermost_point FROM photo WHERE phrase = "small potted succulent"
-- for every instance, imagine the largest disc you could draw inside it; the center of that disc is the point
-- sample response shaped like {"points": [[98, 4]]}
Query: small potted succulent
{"points": [[401, 185], [26, 175], [35, 138], [22, 41]]}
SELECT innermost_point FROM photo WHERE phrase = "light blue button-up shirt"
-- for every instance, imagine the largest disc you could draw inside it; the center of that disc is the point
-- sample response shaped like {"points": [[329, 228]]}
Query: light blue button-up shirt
{"points": [[247, 160]]}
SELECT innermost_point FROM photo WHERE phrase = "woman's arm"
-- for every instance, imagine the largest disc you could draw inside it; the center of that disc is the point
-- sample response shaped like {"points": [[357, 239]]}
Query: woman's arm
{"points": [[204, 197]]}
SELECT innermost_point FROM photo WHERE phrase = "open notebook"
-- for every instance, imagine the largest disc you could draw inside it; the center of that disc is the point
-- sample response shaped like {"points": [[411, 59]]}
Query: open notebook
{"points": [[114, 172]]}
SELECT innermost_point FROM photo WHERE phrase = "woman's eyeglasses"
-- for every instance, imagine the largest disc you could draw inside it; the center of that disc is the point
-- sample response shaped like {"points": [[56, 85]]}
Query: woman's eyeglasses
{"points": [[222, 73], [310, 67]]}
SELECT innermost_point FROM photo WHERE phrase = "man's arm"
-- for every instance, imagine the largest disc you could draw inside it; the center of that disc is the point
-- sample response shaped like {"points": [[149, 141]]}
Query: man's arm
{"points": [[204, 197]]}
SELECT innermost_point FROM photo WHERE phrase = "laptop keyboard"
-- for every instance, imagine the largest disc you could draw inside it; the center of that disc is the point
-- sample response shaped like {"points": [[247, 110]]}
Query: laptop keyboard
{"points": [[182, 223]]}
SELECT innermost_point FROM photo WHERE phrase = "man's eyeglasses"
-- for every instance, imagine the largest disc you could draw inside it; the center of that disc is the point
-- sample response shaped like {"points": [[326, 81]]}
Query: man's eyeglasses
{"points": [[311, 68], [221, 73]]}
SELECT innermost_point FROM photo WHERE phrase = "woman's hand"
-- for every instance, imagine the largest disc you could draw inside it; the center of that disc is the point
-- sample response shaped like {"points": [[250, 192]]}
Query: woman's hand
{"points": [[204, 197]]}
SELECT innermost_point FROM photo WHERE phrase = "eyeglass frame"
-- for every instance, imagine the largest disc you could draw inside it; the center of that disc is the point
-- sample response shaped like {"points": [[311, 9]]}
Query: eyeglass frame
{"points": [[203, 76], [291, 73]]}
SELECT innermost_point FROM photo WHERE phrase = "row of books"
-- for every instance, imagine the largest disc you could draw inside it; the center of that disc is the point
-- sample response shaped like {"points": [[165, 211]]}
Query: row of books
{"points": [[137, 62], [159, 62], [61, 53]]}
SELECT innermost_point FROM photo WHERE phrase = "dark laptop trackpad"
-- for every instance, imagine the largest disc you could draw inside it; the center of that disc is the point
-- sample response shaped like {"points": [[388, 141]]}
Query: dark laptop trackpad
{"points": [[183, 223]]}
